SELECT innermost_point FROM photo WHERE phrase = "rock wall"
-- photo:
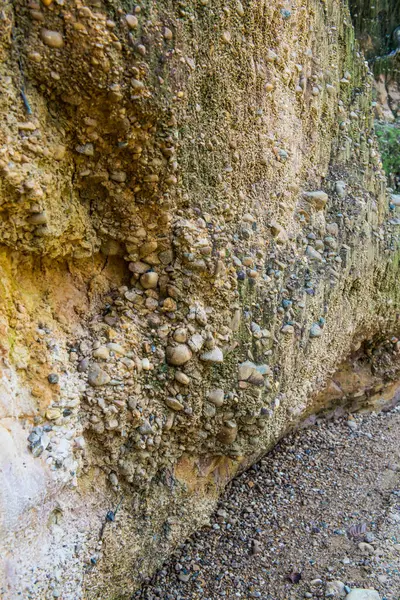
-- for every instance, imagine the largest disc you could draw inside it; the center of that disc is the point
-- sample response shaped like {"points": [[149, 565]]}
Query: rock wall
{"points": [[195, 234]]}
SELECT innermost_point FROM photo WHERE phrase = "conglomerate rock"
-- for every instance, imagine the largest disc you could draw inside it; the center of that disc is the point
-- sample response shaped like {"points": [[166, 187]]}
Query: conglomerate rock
{"points": [[195, 233]]}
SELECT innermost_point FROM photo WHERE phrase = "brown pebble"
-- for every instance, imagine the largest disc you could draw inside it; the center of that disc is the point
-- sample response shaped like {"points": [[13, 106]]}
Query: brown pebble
{"points": [[167, 33], [149, 280], [38, 219], [132, 21], [53, 39], [178, 355]]}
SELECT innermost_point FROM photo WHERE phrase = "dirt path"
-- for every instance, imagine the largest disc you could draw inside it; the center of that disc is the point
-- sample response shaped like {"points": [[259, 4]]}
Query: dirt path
{"points": [[324, 506]]}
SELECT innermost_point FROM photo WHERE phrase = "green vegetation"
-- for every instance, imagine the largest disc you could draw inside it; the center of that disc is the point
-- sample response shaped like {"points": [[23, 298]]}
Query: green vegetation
{"points": [[389, 142]]}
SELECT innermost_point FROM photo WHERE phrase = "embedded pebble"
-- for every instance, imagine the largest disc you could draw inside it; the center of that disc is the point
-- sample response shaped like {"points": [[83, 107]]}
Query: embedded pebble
{"points": [[366, 548], [85, 149], [102, 352], [146, 364], [180, 335], [318, 199], [149, 280], [216, 396], [182, 378], [228, 433], [178, 355], [83, 365], [132, 21], [213, 356], [313, 254], [196, 342], [38, 218], [139, 268], [315, 331], [340, 188], [174, 404], [97, 377], [118, 176], [167, 33], [53, 39]]}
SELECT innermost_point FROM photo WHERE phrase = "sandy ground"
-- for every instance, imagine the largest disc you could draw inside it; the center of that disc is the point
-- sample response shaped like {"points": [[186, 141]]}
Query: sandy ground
{"points": [[323, 507]]}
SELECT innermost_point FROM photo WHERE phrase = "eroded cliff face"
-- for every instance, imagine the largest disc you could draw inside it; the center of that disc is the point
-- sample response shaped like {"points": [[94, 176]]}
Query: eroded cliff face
{"points": [[195, 234]]}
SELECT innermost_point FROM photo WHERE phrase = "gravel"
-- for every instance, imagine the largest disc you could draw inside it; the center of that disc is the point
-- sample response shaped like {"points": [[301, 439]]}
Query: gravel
{"points": [[319, 515]]}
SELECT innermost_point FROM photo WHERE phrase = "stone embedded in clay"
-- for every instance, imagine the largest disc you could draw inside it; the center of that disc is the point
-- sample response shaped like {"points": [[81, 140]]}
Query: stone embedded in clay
{"points": [[53, 39], [97, 377], [178, 355], [317, 199], [213, 356]]}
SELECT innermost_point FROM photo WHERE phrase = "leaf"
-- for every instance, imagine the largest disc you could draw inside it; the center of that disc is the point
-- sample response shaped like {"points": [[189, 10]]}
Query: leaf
{"points": [[294, 577], [357, 531]]}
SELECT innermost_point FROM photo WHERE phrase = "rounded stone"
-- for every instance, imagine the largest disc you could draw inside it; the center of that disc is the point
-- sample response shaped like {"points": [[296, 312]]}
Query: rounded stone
{"points": [[340, 189], [53, 39], [149, 280], [148, 247], [118, 176], [182, 378], [216, 397], [132, 21], [116, 348], [180, 335], [83, 365], [97, 377], [38, 218], [167, 33], [52, 378], [59, 151], [174, 404], [169, 305], [166, 257], [102, 353], [178, 355], [138, 267], [335, 589]]}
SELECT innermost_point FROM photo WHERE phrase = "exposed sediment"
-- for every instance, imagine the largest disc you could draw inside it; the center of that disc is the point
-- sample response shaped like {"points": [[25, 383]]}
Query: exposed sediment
{"points": [[195, 234]]}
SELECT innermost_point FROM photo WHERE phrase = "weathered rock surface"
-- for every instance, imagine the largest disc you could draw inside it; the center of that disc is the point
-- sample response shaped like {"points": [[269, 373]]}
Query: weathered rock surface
{"points": [[360, 594], [184, 190]]}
